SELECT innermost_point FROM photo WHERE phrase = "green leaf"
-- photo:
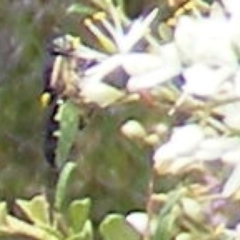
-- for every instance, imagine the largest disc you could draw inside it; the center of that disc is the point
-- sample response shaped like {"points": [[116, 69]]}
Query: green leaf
{"points": [[37, 209], [62, 183], [17, 227], [167, 217], [87, 231], [81, 9], [115, 227], [85, 234], [68, 117], [78, 213], [165, 228]]}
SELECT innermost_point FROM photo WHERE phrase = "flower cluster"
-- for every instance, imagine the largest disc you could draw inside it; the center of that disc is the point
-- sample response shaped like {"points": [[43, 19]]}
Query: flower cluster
{"points": [[197, 72], [193, 79], [202, 48]]}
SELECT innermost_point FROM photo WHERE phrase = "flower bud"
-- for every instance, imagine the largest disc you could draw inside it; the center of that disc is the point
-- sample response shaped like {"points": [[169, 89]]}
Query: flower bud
{"points": [[133, 130]]}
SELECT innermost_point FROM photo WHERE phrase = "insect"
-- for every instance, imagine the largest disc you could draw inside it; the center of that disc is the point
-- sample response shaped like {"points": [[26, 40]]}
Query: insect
{"points": [[59, 83], [60, 76]]}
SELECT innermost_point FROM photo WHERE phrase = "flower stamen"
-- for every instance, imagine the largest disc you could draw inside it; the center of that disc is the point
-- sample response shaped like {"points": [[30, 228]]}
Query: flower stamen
{"points": [[105, 41]]}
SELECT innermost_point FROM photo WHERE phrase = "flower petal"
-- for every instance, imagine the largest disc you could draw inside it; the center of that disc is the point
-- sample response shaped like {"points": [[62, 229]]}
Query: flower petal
{"points": [[100, 93], [151, 71], [183, 142], [203, 80], [203, 40]]}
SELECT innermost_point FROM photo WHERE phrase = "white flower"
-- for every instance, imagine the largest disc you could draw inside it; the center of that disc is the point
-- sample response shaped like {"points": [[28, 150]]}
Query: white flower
{"points": [[203, 80], [92, 86], [232, 7], [139, 220], [100, 93], [205, 40], [177, 153], [140, 63], [101, 69], [183, 142], [203, 51], [133, 63], [120, 35], [88, 53], [145, 71], [188, 145], [138, 29], [165, 66], [216, 148], [121, 39]]}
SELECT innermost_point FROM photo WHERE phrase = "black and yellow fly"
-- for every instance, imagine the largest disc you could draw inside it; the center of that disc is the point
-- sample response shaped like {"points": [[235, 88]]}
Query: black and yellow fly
{"points": [[60, 75], [59, 79]]}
